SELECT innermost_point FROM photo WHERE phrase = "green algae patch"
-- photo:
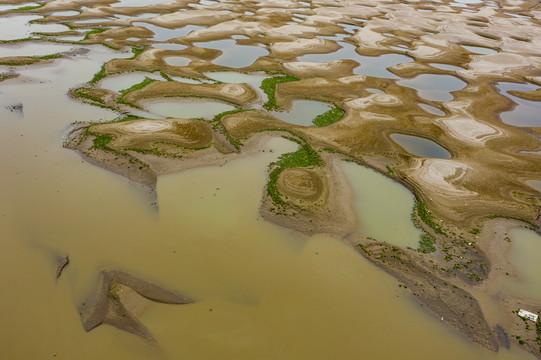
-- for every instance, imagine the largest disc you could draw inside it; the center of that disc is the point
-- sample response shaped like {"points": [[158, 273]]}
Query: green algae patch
{"points": [[329, 117], [269, 87]]}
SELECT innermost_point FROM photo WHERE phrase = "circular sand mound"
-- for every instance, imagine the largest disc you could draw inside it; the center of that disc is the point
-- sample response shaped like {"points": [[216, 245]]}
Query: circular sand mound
{"points": [[374, 100], [233, 90], [301, 184], [192, 133], [147, 126]]}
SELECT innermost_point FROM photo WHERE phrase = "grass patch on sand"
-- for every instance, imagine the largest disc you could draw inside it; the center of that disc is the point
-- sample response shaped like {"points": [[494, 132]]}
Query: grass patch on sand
{"points": [[329, 117], [304, 157], [101, 141], [269, 87], [427, 244], [137, 51]]}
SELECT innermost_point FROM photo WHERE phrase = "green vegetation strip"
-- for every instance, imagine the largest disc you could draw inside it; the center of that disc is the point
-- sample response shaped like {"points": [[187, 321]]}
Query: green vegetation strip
{"points": [[81, 93], [269, 87], [93, 31], [138, 86], [218, 126], [16, 40], [329, 117], [102, 73], [426, 216], [304, 157], [99, 75], [135, 87], [44, 57], [30, 7]]}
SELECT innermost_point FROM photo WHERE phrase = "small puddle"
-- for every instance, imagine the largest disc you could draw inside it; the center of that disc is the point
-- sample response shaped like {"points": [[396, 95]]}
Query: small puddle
{"points": [[169, 46], [431, 109], [375, 66], [419, 146], [186, 109], [65, 13], [70, 38], [186, 80], [302, 112], [177, 60], [126, 81], [480, 50], [233, 77], [536, 184], [457, 4], [526, 113], [92, 21], [349, 28], [164, 34], [383, 206], [137, 16], [434, 87], [375, 91], [518, 16], [138, 3], [234, 55]]}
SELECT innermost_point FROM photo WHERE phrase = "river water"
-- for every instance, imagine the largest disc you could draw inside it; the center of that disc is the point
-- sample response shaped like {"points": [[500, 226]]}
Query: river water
{"points": [[261, 291]]}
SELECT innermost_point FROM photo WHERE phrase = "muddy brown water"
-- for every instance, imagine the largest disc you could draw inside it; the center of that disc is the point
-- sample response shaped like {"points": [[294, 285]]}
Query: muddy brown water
{"points": [[262, 291]]}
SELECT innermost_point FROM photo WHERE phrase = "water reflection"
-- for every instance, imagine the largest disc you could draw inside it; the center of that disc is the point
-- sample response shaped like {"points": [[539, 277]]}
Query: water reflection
{"points": [[302, 112], [434, 87], [369, 65], [526, 112], [234, 55], [421, 147], [164, 34]]}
